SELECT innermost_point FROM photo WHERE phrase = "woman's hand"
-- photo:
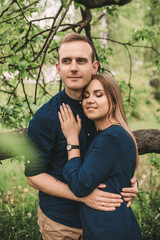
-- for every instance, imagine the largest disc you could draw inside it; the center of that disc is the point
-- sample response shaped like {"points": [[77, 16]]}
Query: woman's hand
{"points": [[70, 127]]}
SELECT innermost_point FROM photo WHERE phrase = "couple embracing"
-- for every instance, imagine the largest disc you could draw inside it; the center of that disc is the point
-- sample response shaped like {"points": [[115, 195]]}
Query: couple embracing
{"points": [[86, 153]]}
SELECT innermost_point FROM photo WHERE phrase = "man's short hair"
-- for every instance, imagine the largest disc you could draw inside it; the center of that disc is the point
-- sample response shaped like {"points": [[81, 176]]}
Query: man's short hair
{"points": [[71, 37]]}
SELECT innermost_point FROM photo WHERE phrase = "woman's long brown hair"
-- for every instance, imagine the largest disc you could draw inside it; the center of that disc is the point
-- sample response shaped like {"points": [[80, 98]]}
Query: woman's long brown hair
{"points": [[116, 108]]}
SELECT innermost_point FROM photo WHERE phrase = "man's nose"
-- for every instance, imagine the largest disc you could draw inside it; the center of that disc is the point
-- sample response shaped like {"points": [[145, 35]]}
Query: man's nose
{"points": [[74, 66]]}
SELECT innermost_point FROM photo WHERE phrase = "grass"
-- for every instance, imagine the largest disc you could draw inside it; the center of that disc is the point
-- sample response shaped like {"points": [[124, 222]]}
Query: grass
{"points": [[18, 204]]}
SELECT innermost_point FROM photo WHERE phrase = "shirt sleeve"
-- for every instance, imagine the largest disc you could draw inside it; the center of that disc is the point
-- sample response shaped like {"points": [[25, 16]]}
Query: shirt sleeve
{"points": [[82, 179], [39, 145]]}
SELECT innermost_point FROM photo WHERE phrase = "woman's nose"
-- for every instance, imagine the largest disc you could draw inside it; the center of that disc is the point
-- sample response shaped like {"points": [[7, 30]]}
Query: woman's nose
{"points": [[90, 99]]}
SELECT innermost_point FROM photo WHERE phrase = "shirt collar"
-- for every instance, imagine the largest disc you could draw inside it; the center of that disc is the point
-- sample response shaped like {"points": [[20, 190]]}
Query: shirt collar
{"points": [[70, 101]]}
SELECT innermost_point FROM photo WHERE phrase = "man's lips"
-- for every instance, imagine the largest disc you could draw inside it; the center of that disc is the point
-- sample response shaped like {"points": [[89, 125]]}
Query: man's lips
{"points": [[74, 77]]}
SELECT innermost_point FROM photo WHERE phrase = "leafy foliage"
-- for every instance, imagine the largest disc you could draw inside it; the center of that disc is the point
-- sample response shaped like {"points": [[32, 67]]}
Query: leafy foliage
{"points": [[147, 207], [27, 47]]}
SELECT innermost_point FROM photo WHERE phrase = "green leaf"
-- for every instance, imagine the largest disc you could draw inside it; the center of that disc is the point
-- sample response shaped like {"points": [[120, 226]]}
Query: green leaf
{"points": [[2, 1], [22, 66], [1, 71], [64, 3], [76, 5]]}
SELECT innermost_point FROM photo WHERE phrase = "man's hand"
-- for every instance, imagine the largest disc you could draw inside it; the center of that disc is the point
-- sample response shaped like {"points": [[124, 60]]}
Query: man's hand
{"points": [[101, 200], [129, 193]]}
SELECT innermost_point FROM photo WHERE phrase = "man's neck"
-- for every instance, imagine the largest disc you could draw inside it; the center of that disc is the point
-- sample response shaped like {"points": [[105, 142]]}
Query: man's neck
{"points": [[74, 94]]}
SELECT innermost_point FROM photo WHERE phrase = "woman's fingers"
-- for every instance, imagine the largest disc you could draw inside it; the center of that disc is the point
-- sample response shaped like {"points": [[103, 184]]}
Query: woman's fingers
{"points": [[60, 118], [70, 112], [78, 121], [64, 112], [63, 116], [66, 117]]}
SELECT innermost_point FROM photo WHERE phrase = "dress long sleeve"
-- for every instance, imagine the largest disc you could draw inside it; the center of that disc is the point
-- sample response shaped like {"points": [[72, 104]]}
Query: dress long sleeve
{"points": [[83, 178]]}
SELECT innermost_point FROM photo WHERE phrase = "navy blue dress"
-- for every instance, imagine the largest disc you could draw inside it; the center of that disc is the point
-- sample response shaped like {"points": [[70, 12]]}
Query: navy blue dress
{"points": [[110, 159]]}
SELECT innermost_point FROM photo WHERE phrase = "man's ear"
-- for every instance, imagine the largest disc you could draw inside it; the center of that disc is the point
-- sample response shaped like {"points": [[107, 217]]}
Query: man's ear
{"points": [[58, 68], [95, 67]]}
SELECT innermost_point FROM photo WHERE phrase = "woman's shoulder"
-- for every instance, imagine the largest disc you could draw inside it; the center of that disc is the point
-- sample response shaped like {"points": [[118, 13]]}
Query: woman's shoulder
{"points": [[116, 131], [113, 130]]}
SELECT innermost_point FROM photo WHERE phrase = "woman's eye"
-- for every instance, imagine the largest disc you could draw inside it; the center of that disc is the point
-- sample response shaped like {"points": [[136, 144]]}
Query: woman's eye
{"points": [[86, 96], [99, 95]]}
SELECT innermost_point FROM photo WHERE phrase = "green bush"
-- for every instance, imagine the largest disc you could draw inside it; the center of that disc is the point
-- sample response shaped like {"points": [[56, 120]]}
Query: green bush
{"points": [[146, 207]]}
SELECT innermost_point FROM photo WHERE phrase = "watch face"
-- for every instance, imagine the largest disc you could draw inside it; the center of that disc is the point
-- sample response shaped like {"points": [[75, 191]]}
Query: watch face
{"points": [[69, 147]]}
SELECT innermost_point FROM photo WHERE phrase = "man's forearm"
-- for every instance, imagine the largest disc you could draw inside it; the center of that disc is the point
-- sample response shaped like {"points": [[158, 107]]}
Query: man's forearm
{"points": [[50, 185]]}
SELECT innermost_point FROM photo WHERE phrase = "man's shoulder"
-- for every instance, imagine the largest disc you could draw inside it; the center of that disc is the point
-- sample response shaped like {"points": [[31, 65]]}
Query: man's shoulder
{"points": [[50, 108], [48, 113]]}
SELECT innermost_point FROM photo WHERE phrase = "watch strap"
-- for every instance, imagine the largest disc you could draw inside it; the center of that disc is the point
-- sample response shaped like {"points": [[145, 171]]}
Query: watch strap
{"points": [[70, 147]]}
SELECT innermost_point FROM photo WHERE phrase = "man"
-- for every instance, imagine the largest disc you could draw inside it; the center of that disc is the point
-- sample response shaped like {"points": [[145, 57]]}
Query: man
{"points": [[58, 213]]}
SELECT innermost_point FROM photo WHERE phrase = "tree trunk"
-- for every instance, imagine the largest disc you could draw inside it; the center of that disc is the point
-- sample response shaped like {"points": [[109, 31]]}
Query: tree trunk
{"points": [[101, 3], [148, 141]]}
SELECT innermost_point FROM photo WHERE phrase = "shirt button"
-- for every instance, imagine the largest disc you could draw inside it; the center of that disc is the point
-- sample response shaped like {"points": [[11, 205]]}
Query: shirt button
{"points": [[88, 134], [80, 102]]}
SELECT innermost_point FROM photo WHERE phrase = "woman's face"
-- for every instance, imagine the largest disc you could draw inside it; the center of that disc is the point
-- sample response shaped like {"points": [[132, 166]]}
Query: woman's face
{"points": [[95, 102]]}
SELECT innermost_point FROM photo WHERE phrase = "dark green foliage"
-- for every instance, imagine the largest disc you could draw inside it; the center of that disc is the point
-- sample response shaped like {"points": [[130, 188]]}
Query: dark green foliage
{"points": [[146, 206]]}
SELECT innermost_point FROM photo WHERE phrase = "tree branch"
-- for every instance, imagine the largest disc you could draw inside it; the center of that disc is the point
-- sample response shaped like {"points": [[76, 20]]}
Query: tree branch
{"points": [[6, 9], [148, 141], [49, 42], [26, 97], [101, 3]]}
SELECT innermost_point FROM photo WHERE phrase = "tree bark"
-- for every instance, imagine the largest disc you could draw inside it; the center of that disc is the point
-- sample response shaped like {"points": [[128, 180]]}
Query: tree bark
{"points": [[101, 3], [148, 141]]}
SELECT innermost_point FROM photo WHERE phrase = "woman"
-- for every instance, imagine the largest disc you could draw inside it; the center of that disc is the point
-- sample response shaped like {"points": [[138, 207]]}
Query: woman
{"points": [[111, 158]]}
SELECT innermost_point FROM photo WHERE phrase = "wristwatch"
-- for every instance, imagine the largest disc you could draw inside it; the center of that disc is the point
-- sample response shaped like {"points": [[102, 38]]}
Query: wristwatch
{"points": [[70, 147]]}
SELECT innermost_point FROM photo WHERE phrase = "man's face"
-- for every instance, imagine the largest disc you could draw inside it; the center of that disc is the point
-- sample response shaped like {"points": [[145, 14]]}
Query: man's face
{"points": [[75, 65]]}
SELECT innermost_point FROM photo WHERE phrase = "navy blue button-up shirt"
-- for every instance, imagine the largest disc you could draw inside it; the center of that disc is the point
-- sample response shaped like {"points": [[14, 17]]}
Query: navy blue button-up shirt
{"points": [[44, 133]]}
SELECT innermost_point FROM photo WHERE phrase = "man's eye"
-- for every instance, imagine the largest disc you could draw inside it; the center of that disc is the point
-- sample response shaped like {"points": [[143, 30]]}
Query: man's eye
{"points": [[66, 61], [81, 60]]}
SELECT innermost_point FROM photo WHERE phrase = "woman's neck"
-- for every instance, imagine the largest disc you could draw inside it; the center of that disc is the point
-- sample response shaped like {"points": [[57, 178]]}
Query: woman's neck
{"points": [[101, 125]]}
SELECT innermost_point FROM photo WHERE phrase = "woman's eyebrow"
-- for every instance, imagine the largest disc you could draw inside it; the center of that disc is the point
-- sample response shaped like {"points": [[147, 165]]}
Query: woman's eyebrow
{"points": [[98, 90], [85, 91]]}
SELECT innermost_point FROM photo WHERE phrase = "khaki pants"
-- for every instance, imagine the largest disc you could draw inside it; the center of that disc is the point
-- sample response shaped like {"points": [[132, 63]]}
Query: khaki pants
{"points": [[52, 230]]}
